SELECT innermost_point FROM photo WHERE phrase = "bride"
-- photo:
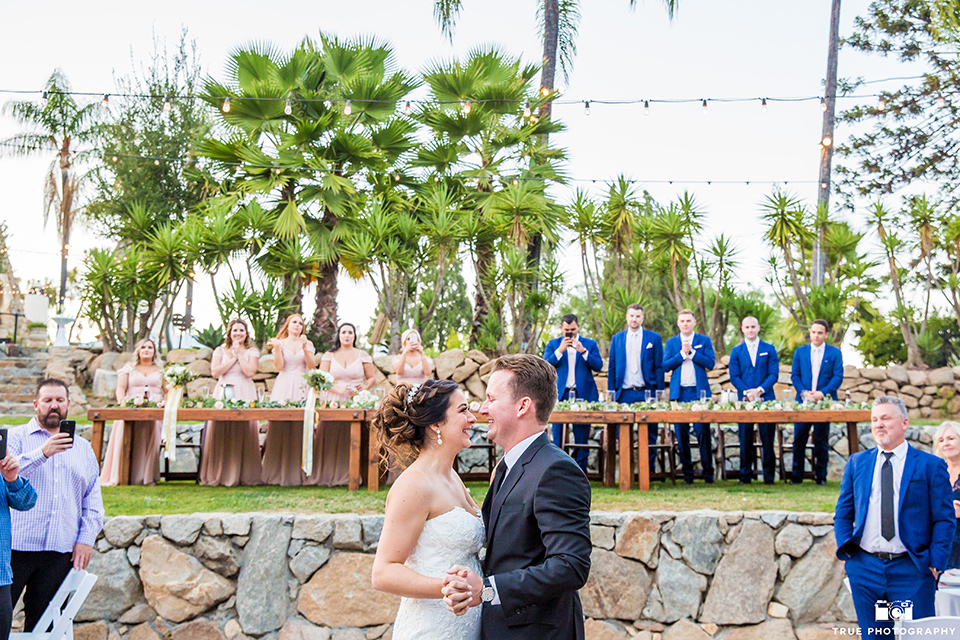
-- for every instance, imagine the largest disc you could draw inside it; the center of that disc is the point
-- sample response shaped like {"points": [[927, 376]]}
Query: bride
{"points": [[431, 521]]}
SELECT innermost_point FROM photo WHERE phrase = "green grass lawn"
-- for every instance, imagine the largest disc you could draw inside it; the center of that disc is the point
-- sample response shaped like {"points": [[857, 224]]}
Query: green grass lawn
{"points": [[187, 497]]}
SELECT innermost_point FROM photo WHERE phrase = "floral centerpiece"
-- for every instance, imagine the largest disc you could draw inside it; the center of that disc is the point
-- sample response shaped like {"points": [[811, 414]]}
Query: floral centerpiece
{"points": [[364, 399], [177, 377]]}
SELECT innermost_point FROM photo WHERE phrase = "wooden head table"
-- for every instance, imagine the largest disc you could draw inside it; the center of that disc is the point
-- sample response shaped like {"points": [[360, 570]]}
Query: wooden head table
{"points": [[356, 418], [645, 418]]}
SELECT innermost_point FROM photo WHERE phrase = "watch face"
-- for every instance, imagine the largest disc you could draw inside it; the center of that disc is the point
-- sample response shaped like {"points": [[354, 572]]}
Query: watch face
{"points": [[487, 594]]}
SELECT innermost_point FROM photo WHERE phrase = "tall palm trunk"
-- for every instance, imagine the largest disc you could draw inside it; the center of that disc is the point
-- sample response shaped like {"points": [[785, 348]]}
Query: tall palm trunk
{"points": [[826, 153], [66, 205], [324, 325]]}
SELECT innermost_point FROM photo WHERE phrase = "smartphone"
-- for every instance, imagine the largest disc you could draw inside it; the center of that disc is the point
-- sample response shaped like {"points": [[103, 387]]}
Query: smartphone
{"points": [[3, 444], [69, 426], [569, 334]]}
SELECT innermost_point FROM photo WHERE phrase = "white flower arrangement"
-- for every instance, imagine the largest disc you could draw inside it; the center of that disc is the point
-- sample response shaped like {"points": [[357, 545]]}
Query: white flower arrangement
{"points": [[178, 375], [364, 399], [318, 379]]}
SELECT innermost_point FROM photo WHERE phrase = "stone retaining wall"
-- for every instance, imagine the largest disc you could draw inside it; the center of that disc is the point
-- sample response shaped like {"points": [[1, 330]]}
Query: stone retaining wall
{"points": [[675, 576]]}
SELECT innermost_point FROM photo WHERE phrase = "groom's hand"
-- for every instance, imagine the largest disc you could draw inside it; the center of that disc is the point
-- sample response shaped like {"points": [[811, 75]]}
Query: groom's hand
{"points": [[461, 589]]}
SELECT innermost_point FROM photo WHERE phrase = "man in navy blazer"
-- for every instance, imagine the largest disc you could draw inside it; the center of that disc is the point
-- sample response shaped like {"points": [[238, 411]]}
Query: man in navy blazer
{"points": [[689, 356], [817, 373], [575, 358], [894, 523], [635, 367], [754, 369]]}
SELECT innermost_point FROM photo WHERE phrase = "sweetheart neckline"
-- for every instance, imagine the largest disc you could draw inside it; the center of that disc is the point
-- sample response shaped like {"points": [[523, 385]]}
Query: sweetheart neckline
{"points": [[478, 516]]}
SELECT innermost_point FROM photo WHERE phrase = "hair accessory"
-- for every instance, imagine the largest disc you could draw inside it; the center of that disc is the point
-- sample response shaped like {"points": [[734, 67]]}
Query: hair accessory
{"points": [[413, 392]]}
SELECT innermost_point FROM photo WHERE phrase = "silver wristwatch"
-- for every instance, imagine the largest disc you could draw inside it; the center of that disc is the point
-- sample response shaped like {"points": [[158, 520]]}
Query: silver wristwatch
{"points": [[486, 595]]}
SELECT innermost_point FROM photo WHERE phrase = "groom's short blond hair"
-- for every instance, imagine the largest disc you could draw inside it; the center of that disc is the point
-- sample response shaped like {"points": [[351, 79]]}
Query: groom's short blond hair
{"points": [[533, 377]]}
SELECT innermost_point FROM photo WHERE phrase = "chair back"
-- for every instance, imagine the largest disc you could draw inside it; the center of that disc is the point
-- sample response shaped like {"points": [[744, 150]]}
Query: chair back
{"points": [[942, 626], [57, 620]]}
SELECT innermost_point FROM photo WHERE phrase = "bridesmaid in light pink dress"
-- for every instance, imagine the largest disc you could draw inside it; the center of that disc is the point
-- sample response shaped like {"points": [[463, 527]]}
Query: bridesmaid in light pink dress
{"points": [[143, 379], [352, 370], [231, 450], [293, 355], [411, 365]]}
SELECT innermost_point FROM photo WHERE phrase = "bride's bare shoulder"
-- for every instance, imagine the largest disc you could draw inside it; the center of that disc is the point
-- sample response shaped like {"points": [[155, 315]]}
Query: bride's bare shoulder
{"points": [[413, 485]]}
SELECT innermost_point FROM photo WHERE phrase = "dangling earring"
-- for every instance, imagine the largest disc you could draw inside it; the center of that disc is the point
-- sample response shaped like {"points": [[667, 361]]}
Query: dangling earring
{"points": [[439, 439]]}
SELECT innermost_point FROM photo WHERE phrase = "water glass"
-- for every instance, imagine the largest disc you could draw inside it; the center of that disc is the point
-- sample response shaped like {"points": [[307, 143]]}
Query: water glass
{"points": [[649, 395], [611, 396], [703, 395], [662, 395]]}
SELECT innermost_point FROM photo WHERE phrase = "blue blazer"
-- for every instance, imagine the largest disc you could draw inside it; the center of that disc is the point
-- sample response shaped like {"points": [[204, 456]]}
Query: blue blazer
{"points": [[703, 360], [744, 375], [586, 386], [831, 371], [651, 361], [926, 519]]}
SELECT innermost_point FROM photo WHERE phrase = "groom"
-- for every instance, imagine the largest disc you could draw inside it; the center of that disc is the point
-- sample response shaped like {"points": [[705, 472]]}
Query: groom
{"points": [[536, 514]]}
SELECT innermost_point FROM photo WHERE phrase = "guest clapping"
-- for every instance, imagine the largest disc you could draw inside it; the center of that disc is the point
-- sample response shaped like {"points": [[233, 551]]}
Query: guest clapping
{"points": [[231, 450], [293, 354], [411, 365], [142, 380]]}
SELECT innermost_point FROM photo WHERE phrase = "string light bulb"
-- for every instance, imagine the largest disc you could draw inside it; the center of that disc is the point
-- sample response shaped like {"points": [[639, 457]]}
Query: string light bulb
{"points": [[544, 91], [823, 104], [646, 107], [406, 108], [348, 108], [156, 163], [278, 171], [881, 104], [516, 181], [226, 105], [586, 107], [396, 177], [941, 103], [106, 100], [827, 141], [167, 104], [287, 107], [763, 105], [115, 158], [44, 101], [466, 106], [526, 110], [703, 106]]}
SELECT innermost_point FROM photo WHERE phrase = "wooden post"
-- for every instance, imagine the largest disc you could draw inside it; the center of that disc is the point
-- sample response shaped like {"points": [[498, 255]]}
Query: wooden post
{"points": [[125, 452], [610, 453], [355, 437], [96, 438], [853, 438], [626, 454], [643, 457]]}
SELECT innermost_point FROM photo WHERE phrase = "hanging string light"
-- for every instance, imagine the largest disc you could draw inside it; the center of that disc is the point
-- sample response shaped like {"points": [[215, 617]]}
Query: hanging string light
{"points": [[763, 105], [106, 101], [941, 103], [526, 110], [287, 107], [586, 107], [881, 104], [226, 105], [703, 107], [167, 104], [348, 108], [823, 104], [465, 105], [827, 141], [646, 107], [44, 101], [406, 108]]}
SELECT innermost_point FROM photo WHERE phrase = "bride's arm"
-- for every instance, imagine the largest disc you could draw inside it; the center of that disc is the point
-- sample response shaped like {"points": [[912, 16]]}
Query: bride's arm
{"points": [[408, 506]]}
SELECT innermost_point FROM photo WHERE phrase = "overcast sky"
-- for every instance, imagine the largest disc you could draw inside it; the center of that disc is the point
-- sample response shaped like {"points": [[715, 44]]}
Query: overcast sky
{"points": [[712, 49]]}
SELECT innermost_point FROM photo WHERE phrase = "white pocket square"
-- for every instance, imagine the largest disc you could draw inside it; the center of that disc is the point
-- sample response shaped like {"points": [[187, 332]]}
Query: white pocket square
{"points": [[764, 354], [697, 346], [649, 345]]}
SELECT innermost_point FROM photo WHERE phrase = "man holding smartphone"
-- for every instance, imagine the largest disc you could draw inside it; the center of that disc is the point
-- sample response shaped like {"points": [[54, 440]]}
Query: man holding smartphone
{"points": [[59, 532], [576, 359]]}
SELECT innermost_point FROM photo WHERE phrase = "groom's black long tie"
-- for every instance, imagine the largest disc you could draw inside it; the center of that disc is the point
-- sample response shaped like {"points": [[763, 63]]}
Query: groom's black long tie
{"points": [[887, 526], [498, 477]]}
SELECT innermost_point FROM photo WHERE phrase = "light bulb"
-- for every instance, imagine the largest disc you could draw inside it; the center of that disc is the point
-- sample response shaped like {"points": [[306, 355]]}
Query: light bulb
{"points": [[167, 106], [823, 104], [466, 106], [287, 107], [115, 158], [526, 110], [827, 141], [646, 107], [406, 108], [44, 101], [106, 100], [516, 182], [226, 105], [347, 108], [703, 106], [544, 91], [396, 177], [941, 103], [586, 108], [763, 105], [277, 171], [156, 163], [881, 104]]}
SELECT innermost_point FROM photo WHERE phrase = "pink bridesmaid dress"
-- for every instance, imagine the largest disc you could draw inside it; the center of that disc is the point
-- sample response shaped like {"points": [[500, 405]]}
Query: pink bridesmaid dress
{"points": [[145, 434], [282, 448], [413, 375], [231, 450], [331, 442]]}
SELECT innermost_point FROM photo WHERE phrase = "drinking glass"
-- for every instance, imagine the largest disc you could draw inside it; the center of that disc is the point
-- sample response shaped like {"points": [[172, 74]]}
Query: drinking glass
{"points": [[703, 396], [662, 395], [650, 395]]}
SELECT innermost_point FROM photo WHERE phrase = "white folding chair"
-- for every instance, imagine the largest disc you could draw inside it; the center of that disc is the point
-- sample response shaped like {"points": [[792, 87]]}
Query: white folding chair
{"points": [[939, 627], [60, 613]]}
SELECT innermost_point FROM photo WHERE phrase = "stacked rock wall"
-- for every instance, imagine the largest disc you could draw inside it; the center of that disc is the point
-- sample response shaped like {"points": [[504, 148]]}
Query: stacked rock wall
{"points": [[701, 574]]}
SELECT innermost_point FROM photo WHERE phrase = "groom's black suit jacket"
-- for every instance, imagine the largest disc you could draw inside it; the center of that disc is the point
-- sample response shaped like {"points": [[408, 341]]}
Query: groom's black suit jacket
{"points": [[538, 547]]}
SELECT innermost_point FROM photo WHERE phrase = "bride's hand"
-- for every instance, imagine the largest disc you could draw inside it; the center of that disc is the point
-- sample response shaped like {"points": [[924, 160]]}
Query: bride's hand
{"points": [[461, 589]]}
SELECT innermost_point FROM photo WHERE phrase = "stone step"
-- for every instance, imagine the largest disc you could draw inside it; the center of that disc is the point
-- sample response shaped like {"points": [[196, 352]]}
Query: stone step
{"points": [[17, 397], [6, 389], [17, 409], [22, 380]]}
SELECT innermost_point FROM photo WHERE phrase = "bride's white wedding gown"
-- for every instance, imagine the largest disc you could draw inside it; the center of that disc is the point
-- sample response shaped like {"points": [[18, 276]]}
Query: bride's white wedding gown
{"points": [[451, 538]]}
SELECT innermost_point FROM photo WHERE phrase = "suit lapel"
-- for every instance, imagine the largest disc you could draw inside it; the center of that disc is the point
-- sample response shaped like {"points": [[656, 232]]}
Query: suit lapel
{"points": [[865, 484], [909, 464], [513, 477]]}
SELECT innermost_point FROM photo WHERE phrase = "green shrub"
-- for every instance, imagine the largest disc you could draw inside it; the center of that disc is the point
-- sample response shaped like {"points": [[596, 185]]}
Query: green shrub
{"points": [[210, 337]]}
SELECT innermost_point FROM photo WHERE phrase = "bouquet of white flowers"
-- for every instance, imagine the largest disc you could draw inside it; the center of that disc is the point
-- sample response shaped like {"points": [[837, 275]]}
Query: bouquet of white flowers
{"points": [[319, 380], [178, 375], [364, 399]]}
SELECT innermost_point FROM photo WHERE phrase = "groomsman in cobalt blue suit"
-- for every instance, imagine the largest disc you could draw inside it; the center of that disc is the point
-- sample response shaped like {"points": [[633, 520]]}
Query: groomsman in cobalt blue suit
{"points": [[754, 369], [635, 367], [894, 523], [817, 373], [689, 356], [576, 358]]}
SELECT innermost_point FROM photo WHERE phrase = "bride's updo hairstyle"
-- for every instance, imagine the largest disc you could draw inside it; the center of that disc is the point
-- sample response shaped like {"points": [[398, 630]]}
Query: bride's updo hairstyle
{"points": [[405, 415]]}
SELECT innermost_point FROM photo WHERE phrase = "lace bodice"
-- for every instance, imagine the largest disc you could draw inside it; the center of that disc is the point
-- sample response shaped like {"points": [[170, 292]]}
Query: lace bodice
{"points": [[451, 538]]}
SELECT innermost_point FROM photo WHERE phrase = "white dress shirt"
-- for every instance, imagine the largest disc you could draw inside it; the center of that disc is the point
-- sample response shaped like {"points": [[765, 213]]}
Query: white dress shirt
{"points": [[571, 366], [816, 359], [871, 540], [752, 346], [510, 458], [688, 375], [633, 377]]}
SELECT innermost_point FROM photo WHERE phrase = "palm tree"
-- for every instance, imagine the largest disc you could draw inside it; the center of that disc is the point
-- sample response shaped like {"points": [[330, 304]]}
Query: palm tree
{"points": [[61, 125]]}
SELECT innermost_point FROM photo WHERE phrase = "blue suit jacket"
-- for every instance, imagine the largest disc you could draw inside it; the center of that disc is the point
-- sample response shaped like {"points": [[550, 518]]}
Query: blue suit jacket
{"points": [[744, 375], [926, 519], [703, 360], [831, 371], [586, 387], [651, 360]]}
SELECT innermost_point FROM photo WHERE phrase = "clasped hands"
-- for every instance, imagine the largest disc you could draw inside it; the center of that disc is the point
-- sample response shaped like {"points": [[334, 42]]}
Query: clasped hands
{"points": [[461, 589]]}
